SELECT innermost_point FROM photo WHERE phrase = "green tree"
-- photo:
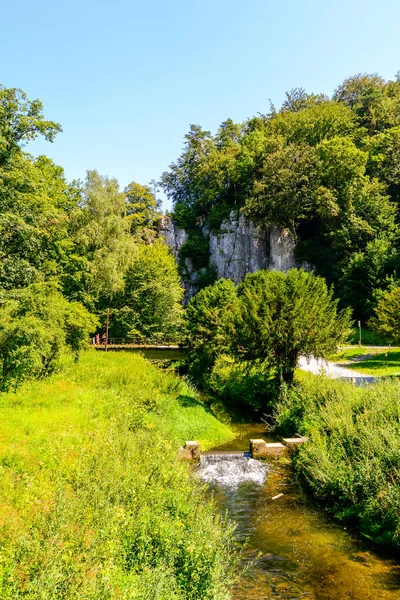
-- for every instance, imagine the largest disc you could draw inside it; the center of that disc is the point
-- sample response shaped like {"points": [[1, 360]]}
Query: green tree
{"points": [[365, 273], [384, 159], [142, 208], [386, 320], [284, 192], [283, 316], [367, 96], [209, 318], [21, 120], [150, 307], [35, 208], [103, 246], [37, 324]]}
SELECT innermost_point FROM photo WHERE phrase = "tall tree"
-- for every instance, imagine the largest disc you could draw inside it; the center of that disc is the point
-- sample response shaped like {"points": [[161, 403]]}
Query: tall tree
{"points": [[142, 208], [21, 120], [150, 307], [283, 316]]}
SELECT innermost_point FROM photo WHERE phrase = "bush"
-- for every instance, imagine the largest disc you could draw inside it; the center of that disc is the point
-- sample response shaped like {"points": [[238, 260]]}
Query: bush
{"points": [[208, 320], [242, 386], [352, 461], [37, 324]]}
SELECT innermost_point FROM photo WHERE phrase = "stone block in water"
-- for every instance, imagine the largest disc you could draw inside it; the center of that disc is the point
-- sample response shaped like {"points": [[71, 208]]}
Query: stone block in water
{"points": [[262, 449], [191, 451], [293, 443]]}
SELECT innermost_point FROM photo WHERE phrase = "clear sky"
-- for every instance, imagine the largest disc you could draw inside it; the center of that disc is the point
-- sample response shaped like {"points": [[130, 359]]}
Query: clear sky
{"points": [[125, 79]]}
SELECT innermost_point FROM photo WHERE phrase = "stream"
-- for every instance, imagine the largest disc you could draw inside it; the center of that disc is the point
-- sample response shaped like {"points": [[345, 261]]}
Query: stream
{"points": [[294, 549]]}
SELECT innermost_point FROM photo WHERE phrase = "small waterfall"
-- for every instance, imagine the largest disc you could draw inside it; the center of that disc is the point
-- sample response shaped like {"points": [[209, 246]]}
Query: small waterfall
{"points": [[230, 469]]}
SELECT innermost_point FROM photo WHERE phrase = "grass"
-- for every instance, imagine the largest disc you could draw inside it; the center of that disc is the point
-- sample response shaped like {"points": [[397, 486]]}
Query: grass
{"points": [[372, 361], [352, 462], [95, 504], [368, 337]]}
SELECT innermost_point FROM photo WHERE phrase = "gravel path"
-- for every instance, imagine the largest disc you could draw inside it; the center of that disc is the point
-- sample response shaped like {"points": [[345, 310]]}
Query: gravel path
{"points": [[319, 366]]}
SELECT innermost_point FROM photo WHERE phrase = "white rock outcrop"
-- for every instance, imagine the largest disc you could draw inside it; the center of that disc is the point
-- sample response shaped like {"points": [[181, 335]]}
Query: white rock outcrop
{"points": [[240, 247]]}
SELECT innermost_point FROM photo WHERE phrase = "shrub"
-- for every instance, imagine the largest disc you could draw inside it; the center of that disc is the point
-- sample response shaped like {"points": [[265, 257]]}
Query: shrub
{"points": [[242, 385], [36, 325]]}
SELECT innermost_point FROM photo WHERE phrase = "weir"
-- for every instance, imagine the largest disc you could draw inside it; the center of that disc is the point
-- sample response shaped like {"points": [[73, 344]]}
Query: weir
{"points": [[231, 468], [259, 448]]}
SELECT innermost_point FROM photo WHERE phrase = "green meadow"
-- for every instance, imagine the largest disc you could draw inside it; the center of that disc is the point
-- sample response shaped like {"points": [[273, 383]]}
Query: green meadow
{"points": [[95, 503], [370, 361]]}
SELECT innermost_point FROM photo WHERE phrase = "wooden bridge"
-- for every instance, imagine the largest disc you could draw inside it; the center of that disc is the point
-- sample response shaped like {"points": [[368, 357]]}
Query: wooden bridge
{"points": [[152, 351]]}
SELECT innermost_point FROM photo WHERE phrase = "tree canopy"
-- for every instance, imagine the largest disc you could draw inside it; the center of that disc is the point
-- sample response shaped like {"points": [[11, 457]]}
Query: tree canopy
{"points": [[327, 168], [70, 250]]}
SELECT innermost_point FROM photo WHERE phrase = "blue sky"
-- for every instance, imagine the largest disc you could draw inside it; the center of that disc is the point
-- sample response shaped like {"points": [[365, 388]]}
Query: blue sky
{"points": [[125, 79]]}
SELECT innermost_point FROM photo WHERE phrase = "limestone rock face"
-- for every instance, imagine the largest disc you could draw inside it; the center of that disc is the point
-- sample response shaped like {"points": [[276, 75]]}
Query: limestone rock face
{"points": [[174, 236], [281, 249], [240, 247]]}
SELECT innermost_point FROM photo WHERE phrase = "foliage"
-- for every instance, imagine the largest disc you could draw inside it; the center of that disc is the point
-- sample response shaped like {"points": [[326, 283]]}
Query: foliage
{"points": [[242, 386], [326, 168], [21, 120], [142, 208], [351, 463], [94, 502], [368, 337], [366, 272], [196, 249], [89, 237], [150, 307], [208, 324], [282, 316], [103, 236], [386, 320], [36, 325]]}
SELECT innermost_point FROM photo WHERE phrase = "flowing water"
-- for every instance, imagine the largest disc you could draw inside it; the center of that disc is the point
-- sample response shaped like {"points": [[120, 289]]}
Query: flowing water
{"points": [[295, 551]]}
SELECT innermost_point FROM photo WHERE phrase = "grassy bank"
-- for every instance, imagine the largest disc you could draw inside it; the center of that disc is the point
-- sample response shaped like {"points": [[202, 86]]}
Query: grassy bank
{"points": [[95, 504], [352, 463], [370, 361]]}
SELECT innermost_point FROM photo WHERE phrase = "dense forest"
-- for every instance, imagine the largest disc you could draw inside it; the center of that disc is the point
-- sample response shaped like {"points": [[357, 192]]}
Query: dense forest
{"points": [[326, 168]]}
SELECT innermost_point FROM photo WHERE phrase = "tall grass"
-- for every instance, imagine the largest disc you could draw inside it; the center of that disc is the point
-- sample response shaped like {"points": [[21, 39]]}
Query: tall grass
{"points": [[95, 504], [352, 463]]}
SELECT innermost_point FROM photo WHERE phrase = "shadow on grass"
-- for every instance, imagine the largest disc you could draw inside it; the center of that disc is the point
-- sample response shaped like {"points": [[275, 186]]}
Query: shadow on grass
{"points": [[382, 364]]}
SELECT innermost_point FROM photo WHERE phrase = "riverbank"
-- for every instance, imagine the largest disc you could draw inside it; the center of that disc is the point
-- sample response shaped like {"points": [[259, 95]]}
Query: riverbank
{"points": [[293, 549], [95, 503], [352, 463]]}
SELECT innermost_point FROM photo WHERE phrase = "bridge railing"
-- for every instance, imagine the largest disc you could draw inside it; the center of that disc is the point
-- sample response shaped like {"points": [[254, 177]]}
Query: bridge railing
{"points": [[132, 341]]}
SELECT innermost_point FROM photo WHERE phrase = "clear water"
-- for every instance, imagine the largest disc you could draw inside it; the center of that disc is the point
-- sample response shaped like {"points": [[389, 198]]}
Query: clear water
{"points": [[295, 551]]}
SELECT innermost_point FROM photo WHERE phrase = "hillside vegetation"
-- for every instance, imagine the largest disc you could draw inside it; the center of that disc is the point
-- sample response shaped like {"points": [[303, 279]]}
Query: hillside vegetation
{"points": [[94, 502], [326, 168]]}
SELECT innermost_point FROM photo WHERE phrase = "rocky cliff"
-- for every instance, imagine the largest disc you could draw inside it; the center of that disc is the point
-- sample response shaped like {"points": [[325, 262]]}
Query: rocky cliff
{"points": [[240, 247]]}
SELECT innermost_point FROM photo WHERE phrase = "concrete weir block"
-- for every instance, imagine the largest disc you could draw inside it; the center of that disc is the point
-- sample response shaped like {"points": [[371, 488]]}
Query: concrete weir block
{"points": [[190, 451], [293, 443], [262, 449]]}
